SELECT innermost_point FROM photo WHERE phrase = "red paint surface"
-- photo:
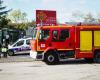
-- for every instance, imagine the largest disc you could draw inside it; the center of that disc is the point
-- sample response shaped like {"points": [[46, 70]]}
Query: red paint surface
{"points": [[71, 43]]}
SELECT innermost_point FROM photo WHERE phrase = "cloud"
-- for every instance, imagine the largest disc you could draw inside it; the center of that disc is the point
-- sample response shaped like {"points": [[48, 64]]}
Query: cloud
{"points": [[8, 1], [82, 1], [64, 18], [25, 1], [61, 1], [50, 1], [17, 1], [64, 8]]}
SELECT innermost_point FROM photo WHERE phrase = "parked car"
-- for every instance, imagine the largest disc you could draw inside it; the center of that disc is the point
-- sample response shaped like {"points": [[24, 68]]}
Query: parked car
{"points": [[20, 46]]}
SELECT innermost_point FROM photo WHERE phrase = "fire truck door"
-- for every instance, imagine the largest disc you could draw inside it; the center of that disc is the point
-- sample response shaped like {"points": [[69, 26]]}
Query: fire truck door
{"points": [[62, 40], [85, 40]]}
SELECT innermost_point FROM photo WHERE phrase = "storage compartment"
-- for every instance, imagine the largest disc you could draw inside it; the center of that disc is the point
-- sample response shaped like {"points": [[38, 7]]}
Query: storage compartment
{"points": [[85, 40], [96, 38]]}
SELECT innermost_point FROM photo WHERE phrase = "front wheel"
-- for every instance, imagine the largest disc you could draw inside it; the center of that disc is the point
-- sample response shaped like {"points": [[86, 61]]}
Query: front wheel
{"points": [[10, 53], [97, 57], [51, 58]]}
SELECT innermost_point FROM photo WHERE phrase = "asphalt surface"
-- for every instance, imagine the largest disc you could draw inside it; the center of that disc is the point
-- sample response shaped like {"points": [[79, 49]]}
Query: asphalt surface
{"points": [[16, 58], [37, 70], [22, 67]]}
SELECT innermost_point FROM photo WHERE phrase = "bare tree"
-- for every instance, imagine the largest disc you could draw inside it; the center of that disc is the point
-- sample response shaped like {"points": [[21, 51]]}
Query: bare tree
{"points": [[89, 18]]}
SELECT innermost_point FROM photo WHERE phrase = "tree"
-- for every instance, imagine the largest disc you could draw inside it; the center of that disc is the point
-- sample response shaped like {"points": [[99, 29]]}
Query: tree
{"points": [[89, 18], [17, 16], [3, 20], [80, 17], [98, 17]]}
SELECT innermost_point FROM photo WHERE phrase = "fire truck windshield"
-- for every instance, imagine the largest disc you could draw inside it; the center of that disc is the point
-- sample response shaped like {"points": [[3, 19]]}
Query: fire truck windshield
{"points": [[34, 33], [44, 34]]}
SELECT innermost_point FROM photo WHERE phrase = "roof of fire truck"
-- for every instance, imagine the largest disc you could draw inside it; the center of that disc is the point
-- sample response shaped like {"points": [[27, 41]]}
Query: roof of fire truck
{"points": [[79, 25]]}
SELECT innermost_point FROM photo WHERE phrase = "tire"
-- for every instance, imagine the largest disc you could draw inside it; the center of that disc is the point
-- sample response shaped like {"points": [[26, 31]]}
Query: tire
{"points": [[97, 57], [10, 53], [51, 58], [89, 60]]}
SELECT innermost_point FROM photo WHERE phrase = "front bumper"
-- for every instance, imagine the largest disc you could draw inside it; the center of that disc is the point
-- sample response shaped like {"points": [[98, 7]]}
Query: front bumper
{"points": [[35, 55]]}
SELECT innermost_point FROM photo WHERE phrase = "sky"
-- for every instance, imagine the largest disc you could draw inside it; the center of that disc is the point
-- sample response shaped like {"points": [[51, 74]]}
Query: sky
{"points": [[64, 8]]}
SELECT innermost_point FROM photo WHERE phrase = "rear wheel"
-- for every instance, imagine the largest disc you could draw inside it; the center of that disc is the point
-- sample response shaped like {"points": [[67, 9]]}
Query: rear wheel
{"points": [[10, 53], [97, 57], [51, 58]]}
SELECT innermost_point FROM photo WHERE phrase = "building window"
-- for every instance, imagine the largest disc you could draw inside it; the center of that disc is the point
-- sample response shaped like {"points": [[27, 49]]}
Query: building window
{"points": [[20, 43]]}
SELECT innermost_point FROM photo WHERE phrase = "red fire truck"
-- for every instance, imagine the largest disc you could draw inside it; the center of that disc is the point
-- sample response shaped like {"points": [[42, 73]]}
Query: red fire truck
{"points": [[52, 44]]}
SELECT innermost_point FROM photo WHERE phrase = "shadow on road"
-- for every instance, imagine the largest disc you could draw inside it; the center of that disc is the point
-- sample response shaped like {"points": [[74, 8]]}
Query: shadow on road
{"points": [[23, 54], [75, 61]]}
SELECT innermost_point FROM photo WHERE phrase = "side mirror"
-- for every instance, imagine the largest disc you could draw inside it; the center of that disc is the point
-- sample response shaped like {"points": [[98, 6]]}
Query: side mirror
{"points": [[40, 36]]}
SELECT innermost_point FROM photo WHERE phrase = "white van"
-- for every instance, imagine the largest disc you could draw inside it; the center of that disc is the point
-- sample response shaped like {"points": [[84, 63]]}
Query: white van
{"points": [[20, 46]]}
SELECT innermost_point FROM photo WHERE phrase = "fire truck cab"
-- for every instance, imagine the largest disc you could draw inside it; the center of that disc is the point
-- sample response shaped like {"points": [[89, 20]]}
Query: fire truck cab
{"points": [[52, 44]]}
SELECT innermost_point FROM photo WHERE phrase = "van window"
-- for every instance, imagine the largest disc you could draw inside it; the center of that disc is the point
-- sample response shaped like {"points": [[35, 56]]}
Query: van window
{"points": [[64, 34], [19, 43], [28, 41]]}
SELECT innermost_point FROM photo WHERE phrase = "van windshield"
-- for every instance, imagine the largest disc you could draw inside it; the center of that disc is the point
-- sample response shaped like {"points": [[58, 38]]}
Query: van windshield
{"points": [[34, 33]]}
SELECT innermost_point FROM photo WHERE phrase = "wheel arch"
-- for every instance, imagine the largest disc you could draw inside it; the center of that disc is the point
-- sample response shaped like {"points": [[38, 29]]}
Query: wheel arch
{"points": [[10, 50], [50, 49], [96, 51], [97, 56]]}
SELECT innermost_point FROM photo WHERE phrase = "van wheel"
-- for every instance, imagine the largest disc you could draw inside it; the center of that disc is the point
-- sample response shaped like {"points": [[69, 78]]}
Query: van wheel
{"points": [[51, 58], [10, 53], [97, 57]]}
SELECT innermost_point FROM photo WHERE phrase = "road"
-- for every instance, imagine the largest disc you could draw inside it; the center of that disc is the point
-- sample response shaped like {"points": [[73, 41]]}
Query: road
{"points": [[37, 70], [16, 58]]}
